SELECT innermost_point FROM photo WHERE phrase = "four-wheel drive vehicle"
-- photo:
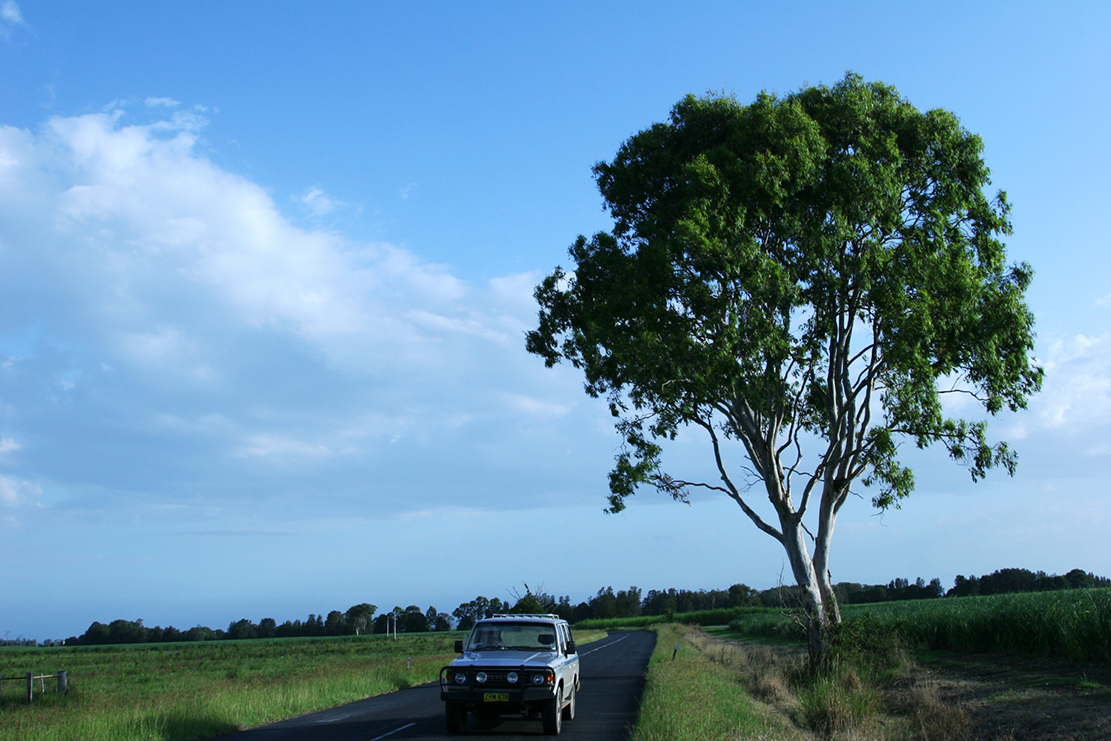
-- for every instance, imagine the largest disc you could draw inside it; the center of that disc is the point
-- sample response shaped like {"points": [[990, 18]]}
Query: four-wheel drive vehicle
{"points": [[513, 664]]}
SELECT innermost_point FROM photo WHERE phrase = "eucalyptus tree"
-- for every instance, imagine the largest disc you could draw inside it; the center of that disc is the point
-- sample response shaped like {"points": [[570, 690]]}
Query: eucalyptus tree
{"points": [[802, 278]]}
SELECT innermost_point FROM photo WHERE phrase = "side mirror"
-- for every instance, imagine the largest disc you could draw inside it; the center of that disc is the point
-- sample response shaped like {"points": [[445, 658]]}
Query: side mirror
{"points": [[459, 647], [571, 647]]}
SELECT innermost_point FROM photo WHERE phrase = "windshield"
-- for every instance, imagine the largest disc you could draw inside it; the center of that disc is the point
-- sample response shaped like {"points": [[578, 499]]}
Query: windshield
{"points": [[513, 637]]}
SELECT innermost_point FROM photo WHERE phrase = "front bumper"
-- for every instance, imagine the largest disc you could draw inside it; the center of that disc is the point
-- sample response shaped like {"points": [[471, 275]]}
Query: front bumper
{"points": [[496, 696], [497, 693]]}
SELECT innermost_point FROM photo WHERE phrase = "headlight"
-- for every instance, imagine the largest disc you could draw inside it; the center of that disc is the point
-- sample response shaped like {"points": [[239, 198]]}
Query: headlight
{"points": [[480, 677], [538, 679], [460, 678], [511, 677]]}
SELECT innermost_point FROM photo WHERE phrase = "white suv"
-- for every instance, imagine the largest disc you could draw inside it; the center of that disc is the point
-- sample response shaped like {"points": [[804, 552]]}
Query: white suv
{"points": [[513, 664]]}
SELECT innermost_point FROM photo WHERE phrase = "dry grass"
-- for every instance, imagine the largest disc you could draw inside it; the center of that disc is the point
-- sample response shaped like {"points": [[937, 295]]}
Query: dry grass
{"points": [[938, 720], [884, 698]]}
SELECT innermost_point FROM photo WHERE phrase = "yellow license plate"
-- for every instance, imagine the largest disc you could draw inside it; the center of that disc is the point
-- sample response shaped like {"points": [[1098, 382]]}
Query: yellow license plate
{"points": [[496, 697]]}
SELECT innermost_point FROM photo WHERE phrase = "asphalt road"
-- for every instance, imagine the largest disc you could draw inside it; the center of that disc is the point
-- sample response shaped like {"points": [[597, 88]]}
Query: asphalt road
{"points": [[612, 675]]}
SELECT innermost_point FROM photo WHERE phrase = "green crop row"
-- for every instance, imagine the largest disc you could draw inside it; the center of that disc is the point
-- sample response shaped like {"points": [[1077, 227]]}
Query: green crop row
{"points": [[1073, 624]]}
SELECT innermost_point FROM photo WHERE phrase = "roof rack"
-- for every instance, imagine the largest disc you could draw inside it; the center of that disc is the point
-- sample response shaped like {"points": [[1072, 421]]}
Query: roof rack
{"points": [[528, 615]]}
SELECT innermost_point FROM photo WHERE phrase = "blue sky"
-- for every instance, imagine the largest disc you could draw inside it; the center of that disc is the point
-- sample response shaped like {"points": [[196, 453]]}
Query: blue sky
{"points": [[266, 270]]}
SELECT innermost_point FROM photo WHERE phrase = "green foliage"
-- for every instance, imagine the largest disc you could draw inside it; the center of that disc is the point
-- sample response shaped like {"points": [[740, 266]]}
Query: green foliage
{"points": [[779, 267]]}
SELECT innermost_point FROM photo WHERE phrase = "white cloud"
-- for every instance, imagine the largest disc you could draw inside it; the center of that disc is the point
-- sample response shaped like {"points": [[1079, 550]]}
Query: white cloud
{"points": [[317, 203], [180, 337], [15, 493], [1076, 393], [10, 16], [1099, 450], [161, 103], [7, 445]]}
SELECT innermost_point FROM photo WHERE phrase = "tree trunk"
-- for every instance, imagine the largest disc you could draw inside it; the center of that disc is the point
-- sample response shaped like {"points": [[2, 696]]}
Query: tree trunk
{"points": [[810, 590]]}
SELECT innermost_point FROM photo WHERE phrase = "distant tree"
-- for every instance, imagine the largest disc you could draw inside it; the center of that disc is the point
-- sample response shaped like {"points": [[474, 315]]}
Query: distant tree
{"points": [[964, 586], [604, 604], [360, 617], [200, 633], [314, 626], [242, 629], [412, 620], [628, 602], [803, 279], [267, 628], [336, 624], [440, 621], [97, 634], [563, 608], [437, 620], [127, 631], [288, 629], [741, 595], [660, 603], [850, 593], [1007, 581], [469, 613], [540, 603]]}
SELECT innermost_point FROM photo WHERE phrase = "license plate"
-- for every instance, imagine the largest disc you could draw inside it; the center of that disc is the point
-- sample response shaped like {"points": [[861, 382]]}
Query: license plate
{"points": [[496, 697]]}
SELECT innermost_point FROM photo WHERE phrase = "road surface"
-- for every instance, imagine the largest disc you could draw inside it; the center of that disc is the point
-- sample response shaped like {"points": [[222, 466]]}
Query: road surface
{"points": [[612, 676]]}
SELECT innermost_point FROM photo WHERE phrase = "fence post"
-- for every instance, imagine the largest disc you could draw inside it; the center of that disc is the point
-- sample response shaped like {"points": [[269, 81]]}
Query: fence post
{"points": [[62, 682], [30, 686]]}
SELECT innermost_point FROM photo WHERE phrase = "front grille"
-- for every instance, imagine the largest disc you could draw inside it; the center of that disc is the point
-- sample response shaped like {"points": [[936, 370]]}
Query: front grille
{"points": [[498, 678]]}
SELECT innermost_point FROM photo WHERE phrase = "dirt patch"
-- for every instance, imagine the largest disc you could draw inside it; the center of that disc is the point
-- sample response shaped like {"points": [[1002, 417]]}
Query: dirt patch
{"points": [[1007, 698]]}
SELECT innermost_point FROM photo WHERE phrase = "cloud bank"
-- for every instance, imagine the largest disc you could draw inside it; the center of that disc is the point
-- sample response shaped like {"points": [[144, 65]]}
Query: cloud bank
{"points": [[171, 338]]}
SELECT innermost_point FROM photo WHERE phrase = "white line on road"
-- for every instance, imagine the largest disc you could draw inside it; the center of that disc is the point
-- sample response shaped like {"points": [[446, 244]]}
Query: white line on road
{"points": [[396, 730], [599, 648]]}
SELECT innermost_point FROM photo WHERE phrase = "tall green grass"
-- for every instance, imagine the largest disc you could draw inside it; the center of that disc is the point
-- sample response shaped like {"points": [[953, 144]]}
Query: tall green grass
{"points": [[1073, 624], [174, 692]]}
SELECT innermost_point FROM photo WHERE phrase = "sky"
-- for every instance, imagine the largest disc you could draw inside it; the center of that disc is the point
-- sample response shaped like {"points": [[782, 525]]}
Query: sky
{"points": [[266, 271]]}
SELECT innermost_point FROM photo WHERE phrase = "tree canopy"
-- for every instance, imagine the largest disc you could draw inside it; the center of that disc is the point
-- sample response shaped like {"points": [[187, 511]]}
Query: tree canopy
{"points": [[805, 277]]}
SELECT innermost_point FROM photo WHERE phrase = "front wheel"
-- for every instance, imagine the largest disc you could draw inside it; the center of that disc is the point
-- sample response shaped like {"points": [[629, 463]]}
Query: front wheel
{"points": [[569, 711], [455, 713], [552, 716]]}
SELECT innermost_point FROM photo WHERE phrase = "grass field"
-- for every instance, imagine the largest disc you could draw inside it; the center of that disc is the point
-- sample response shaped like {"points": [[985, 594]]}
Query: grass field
{"points": [[178, 691], [186, 691]]}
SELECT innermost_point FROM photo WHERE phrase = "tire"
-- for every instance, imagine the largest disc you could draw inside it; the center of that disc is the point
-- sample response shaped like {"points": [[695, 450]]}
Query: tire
{"points": [[569, 710], [455, 713], [552, 714]]}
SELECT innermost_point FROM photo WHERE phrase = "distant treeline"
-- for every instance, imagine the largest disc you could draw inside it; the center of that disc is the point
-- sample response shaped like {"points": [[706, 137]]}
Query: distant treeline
{"points": [[361, 619]]}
